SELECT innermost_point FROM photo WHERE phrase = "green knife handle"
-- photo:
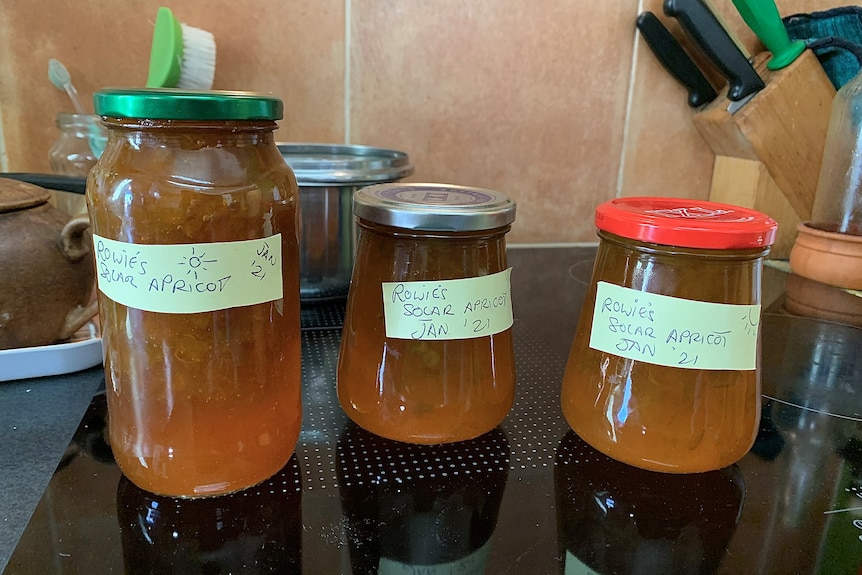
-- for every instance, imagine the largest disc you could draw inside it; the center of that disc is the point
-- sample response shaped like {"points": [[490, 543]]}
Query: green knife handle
{"points": [[763, 18]]}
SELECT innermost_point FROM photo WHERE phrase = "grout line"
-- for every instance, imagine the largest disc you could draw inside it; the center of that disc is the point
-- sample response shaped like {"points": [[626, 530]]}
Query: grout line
{"points": [[4, 157], [841, 510], [629, 99], [526, 245], [347, 40]]}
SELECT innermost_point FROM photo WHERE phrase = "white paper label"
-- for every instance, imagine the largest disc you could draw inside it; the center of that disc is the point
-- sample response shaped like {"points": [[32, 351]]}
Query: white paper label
{"points": [[190, 278], [473, 564], [575, 566], [448, 309], [674, 332]]}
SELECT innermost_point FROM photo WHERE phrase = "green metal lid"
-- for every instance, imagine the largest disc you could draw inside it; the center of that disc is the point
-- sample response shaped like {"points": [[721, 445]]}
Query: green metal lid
{"points": [[172, 104]]}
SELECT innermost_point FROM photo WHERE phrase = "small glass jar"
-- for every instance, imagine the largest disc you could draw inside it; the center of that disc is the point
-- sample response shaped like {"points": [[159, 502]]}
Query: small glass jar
{"points": [[664, 369], [71, 153], [426, 351], [194, 221]]}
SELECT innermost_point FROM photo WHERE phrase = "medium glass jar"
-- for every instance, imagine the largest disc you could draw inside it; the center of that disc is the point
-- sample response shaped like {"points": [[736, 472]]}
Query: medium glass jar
{"points": [[194, 220], [664, 369], [426, 351]]}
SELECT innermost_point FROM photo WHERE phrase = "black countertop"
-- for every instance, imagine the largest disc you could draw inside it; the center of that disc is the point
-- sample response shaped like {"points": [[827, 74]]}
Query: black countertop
{"points": [[529, 497]]}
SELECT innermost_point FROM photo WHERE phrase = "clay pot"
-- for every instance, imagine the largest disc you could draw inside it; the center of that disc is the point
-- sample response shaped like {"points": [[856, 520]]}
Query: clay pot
{"points": [[809, 298], [47, 271], [831, 258]]}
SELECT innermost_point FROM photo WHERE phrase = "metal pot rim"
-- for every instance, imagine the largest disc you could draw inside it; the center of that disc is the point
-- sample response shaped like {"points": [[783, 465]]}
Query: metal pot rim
{"points": [[338, 164]]}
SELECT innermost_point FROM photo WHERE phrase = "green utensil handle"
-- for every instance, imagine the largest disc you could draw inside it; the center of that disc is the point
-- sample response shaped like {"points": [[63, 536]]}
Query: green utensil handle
{"points": [[763, 18]]}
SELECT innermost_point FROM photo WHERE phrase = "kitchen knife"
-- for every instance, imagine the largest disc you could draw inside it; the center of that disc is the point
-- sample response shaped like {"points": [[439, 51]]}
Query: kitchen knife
{"points": [[704, 28], [763, 18], [675, 60]]}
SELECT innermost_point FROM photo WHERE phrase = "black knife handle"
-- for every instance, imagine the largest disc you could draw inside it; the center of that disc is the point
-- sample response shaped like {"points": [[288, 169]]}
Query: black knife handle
{"points": [[675, 60], [700, 23]]}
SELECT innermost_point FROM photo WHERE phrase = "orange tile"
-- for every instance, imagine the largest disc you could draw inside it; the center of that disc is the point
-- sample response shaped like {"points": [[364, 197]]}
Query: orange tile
{"points": [[285, 48], [525, 98], [528, 98]]}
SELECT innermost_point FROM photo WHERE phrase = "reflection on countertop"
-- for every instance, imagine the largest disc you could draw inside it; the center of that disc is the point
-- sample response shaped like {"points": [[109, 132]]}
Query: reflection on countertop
{"points": [[529, 497]]}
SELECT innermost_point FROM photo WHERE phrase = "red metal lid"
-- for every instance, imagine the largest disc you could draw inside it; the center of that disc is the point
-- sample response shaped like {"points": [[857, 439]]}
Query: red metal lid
{"points": [[686, 223]]}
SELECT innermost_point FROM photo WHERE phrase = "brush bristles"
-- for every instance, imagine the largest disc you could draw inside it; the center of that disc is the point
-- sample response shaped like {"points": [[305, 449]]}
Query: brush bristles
{"points": [[197, 69]]}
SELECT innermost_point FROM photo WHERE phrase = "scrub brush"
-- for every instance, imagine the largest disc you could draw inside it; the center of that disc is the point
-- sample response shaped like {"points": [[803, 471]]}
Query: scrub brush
{"points": [[62, 80], [181, 56]]}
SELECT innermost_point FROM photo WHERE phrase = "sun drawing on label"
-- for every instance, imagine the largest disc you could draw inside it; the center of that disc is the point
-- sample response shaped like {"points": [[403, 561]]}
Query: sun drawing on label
{"points": [[196, 262], [751, 320]]}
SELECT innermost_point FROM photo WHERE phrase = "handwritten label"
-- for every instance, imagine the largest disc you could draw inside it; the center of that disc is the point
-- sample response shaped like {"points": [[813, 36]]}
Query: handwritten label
{"points": [[190, 278], [448, 309], [575, 566], [674, 332]]}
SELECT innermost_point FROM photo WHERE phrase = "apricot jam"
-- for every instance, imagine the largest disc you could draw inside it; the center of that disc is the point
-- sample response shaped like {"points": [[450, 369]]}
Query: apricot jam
{"points": [[426, 351], [664, 369], [194, 216]]}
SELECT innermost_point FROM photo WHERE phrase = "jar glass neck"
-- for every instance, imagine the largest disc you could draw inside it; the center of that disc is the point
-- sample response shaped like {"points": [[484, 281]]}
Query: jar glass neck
{"points": [[405, 233], [191, 133], [646, 247]]}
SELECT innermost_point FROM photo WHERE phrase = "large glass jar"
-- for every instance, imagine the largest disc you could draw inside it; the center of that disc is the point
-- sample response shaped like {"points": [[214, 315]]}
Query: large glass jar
{"points": [[426, 351], [838, 200], [664, 369], [194, 220]]}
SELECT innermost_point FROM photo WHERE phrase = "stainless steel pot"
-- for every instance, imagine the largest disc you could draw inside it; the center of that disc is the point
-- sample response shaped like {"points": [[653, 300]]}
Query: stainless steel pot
{"points": [[328, 175]]}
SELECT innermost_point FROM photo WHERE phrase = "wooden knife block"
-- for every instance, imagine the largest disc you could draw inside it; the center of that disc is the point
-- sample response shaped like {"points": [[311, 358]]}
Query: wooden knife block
{"points": [[768, 154]]}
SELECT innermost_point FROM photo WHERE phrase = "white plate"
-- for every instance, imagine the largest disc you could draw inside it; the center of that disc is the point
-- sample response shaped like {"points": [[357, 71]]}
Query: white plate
{"points": [[25, 362]]}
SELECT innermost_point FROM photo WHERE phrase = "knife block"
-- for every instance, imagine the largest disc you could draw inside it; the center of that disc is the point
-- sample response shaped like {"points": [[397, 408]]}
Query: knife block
{"points": [[768, 153]]}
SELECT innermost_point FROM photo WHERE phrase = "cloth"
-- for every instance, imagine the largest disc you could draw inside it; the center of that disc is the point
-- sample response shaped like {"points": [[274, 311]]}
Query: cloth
{"points": [[835, 37]]}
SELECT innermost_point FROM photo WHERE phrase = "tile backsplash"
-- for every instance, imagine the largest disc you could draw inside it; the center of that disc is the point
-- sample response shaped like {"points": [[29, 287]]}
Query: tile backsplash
{"points": [[556, 102]]}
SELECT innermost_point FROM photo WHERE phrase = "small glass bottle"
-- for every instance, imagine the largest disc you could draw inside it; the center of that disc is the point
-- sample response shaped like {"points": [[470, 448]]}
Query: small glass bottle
{"points": [[71, 153], [838, 200], [426, 352], [664, 369], [194, 221]]}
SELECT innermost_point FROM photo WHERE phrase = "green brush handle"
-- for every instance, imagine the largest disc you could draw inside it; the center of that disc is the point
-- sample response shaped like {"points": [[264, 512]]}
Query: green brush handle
{"points": [[763, 18]]}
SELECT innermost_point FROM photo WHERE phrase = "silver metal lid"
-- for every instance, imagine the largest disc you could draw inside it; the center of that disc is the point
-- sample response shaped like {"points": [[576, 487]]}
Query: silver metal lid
{"points": [[434, 207], [332, 164]]}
